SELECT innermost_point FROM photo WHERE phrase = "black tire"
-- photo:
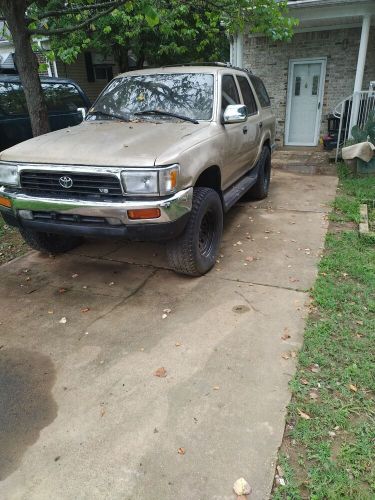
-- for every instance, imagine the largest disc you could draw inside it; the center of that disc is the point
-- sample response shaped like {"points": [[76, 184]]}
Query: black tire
{"points": [[260, 189], [195, 251], [49, 243]]}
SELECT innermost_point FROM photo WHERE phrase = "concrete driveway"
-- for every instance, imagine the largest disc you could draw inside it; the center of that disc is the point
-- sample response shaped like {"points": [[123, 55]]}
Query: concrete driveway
{"points": [[82, 413]]}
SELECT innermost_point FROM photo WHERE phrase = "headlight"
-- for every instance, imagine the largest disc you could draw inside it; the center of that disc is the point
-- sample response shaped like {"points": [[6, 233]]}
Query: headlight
{"points": [[151, 182], [140, 181], [8, 174]]}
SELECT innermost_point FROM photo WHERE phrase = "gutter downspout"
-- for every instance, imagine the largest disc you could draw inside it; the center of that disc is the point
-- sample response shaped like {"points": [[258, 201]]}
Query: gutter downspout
{"points": [[362, 53]]}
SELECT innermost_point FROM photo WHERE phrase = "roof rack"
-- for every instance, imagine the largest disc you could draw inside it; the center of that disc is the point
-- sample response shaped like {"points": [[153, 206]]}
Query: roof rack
{"points": [[216, 63]]}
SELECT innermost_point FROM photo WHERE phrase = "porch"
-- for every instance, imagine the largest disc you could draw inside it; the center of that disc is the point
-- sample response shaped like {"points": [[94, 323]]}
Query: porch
{"points": [[330, 58]]}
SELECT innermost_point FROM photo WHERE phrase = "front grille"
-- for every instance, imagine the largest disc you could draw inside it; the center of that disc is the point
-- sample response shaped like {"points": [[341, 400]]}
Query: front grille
{"points": [[68, 218], [92, 186]]}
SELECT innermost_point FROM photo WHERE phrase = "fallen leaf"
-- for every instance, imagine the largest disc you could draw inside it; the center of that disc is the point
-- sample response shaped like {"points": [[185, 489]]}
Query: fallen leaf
{"points": [[111, 283], [293, 354], [62, 290], [164, 316], [279, 470], [85, 309], [250, 258], [181, 451], [315, 368], [303, 415], [75, 275], [102, 412], [304, 381], [167, 311], [313, 394], [161, 372], [353, 388], [50, 312], [285, 355], [359, 322], [216, 387], [178, 344], [285, 335], [332, 434], [62, 321]]}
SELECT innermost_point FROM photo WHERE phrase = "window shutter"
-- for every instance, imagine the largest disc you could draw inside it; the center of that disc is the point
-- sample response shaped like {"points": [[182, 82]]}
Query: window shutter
{"points": [[89, 67]]}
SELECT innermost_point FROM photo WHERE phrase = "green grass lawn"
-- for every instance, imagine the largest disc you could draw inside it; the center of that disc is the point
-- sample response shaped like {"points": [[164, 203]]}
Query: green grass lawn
{"points": [[328, 451]]}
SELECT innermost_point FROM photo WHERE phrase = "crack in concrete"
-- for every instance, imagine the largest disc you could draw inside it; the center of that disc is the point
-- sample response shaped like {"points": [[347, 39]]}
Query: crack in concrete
{"points": [[264, 284], [123, 300]]}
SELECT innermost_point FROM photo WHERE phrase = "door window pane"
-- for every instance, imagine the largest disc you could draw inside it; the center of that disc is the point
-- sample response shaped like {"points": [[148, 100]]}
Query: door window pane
{"points": [[229, 93], [12, 99], [62, 98], [315, 85], [261, 91], [247, 94], [297, 86]]}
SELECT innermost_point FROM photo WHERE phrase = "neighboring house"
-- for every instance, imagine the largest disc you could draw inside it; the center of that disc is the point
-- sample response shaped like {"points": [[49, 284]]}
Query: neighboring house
{"points": [[91, 71], [330, 59]]}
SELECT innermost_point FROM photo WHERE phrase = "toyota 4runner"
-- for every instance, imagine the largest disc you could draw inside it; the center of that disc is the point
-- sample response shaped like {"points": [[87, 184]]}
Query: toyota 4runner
{"points": [[162, 155]]}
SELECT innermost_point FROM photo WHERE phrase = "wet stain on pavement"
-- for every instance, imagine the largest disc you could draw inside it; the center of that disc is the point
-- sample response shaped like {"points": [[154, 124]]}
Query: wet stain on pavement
{"points": [[26, 403]]}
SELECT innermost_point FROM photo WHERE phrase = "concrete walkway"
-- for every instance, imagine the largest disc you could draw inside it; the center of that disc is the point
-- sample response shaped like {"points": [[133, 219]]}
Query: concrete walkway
{"points": [[82, 414]]}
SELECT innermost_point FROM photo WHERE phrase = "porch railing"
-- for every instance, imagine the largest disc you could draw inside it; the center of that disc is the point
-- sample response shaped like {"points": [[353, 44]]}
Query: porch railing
{"points": [[360, 104]]}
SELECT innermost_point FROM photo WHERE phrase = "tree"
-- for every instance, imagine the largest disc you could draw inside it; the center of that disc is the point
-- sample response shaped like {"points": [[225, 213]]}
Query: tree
{"points": [[21, 19], [160, 30]]}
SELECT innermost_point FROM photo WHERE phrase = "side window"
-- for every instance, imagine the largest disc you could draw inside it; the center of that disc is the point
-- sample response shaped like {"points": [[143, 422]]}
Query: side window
{"points": [[261, 91], [62, 97], [247, 94], [12, 99], [229, 92]]}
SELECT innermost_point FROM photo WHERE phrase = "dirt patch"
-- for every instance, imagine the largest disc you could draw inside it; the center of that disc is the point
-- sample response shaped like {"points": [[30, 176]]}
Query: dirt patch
{"points": [[26, 403], [11, 243]]}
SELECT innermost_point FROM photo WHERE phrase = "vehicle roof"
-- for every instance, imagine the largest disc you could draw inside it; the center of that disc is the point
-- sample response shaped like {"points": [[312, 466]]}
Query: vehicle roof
{"points": [[213, 68], [43, 79]]}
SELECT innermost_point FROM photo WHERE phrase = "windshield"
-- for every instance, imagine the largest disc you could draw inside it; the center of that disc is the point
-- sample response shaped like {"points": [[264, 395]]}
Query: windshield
{"points": [[185, 94]]}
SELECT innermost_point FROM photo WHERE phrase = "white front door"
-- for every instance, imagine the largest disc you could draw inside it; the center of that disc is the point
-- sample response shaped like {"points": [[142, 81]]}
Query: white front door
{"points": [[305, 96]]}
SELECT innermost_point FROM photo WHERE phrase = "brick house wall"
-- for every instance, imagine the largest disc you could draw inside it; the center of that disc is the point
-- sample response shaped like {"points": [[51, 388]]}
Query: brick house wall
{"points": [[270, 61]]}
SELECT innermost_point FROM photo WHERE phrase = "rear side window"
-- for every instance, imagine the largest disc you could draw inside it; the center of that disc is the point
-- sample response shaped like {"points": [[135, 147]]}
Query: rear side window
{"points": [[261, 91], [247, 94], [62, 97], [12, 99], [229, 92]]}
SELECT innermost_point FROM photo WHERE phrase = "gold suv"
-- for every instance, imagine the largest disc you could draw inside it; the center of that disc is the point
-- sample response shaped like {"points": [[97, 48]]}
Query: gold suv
{"points": [[161, 155]]}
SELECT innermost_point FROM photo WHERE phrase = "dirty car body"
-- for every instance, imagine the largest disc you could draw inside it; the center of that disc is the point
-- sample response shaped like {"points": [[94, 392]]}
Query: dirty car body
{"points": [[149, 145]]}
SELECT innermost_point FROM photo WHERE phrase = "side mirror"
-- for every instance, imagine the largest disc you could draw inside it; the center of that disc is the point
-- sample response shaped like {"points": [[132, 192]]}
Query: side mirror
{"points": [[82, 111], [235, 113]]}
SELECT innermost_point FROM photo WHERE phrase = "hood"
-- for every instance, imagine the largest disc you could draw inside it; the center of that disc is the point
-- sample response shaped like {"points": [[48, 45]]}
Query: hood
{"points": [[110, 143]]}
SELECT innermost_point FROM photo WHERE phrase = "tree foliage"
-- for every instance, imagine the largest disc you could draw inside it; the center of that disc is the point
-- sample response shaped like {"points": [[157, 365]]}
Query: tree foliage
{"points": [[161, 31]]}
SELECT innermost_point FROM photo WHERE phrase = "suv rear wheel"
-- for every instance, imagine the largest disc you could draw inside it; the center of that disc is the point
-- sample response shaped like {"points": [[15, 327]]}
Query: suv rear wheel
{"points": [[260, 189], [49, 243], [194, 252]]}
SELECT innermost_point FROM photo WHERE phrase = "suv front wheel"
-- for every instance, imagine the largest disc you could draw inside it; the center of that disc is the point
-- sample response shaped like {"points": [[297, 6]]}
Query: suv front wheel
{"points": [[194, 252], [49, 243]]}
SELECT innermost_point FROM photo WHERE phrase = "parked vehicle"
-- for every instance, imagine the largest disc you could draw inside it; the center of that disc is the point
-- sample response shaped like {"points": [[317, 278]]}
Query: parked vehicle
{"points": [[162, 154], [66, 103]]}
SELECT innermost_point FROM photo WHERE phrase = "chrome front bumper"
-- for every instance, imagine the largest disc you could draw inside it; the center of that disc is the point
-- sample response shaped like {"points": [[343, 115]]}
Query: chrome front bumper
{"points": [[116, 213]]}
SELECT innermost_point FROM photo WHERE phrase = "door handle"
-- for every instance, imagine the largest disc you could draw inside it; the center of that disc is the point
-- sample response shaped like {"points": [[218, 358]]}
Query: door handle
{"points": [[260, 124], [244, 130]]}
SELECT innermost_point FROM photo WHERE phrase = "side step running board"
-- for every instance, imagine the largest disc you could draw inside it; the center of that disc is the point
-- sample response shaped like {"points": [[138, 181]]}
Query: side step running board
{"points": [[235, 192]]}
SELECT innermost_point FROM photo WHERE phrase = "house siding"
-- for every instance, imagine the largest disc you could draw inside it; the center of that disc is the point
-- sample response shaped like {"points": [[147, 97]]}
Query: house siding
{"points": [[77, 72], [270, 61]]}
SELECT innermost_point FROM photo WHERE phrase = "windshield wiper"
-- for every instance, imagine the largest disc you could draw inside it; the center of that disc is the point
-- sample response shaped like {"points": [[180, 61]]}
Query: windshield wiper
{"points": [[112, 115], [166, 113]]}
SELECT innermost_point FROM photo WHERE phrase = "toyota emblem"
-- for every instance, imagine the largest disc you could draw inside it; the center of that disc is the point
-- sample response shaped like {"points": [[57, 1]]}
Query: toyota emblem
{"points": [[66, 182]]}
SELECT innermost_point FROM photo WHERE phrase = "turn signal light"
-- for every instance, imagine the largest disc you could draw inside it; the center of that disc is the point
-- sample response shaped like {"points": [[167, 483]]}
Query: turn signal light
{"points": [[5, 202], [144, 213]]}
